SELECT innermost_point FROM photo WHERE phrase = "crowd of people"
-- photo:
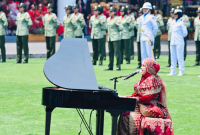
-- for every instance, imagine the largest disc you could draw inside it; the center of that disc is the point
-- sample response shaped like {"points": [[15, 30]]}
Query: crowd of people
{"points": [[36, 9], [117, 23]]}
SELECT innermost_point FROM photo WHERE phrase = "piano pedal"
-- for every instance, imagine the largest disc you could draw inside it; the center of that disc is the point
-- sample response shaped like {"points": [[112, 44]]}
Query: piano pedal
{"points": [[84, 121]]}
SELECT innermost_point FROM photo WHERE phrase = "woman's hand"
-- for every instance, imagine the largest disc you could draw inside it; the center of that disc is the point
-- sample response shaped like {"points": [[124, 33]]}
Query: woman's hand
{"points": [[133, 97], [129, 96]]}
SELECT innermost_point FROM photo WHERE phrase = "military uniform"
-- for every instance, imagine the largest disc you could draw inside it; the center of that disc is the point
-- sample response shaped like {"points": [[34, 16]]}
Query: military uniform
{"points": [[132, 33], [3, 25], [69, 27], [178, 31], [185, 19], [104, 32], [169, 37], [137, 24], [78, 19], [51, 23], [149, 28], [197, 37], [114, 27], [160, 23], [125, 35], [97, 25], [23, 24]]}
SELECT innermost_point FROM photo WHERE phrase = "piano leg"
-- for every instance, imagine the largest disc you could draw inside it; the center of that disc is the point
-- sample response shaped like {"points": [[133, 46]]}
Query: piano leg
{"points": [[100, 122], [48, 120], [114, 115]]}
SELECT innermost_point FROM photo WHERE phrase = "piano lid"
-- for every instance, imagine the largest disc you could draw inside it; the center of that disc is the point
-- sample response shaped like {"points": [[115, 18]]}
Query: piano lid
{"points": [[71, 66]]}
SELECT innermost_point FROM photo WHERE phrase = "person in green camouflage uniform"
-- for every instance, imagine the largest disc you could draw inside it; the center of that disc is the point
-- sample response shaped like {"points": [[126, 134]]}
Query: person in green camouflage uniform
{"points": [[79, 20], [197, 37], [114, 27], [137, 25], [3, 25], [51, 23], [169, 35], [23, 24], [159, 20], [97, 25]]}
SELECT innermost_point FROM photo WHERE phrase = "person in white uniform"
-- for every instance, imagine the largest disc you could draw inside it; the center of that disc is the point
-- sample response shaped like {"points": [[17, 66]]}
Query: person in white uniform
{"points": [[178, 31], [149, 28]]}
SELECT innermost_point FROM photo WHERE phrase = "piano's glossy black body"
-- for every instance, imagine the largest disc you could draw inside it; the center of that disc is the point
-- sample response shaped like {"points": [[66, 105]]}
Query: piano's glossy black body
{"points": [[76, 86], [97, 99]]}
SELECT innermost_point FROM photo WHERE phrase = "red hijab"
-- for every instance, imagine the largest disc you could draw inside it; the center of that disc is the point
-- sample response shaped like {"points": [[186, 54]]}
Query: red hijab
{"points": [[152, 68]]}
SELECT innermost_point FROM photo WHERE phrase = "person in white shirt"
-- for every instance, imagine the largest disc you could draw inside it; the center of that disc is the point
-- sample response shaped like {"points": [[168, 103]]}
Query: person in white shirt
{"points": [[149, 28], [178, 31]]}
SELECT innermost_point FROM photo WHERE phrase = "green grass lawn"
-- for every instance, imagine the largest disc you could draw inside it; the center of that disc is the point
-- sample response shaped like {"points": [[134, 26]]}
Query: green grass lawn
{"points": [[21, 112]]}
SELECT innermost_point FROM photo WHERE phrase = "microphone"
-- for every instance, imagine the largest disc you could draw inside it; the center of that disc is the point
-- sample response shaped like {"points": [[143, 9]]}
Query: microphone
{"points": [[132, 74]]}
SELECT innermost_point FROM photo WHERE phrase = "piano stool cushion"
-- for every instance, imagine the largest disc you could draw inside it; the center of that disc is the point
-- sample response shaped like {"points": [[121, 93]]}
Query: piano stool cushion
{"points": [[157, 126]]}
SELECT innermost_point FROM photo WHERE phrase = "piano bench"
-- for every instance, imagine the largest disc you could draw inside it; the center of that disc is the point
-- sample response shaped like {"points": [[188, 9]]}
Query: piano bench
{"points": [[155, 125]]}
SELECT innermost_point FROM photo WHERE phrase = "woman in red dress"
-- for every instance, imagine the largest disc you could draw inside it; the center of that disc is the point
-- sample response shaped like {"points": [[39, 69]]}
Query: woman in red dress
{"points": [[39, 14], [106, 10], [40, 10], [32, 15], [151, 114], [44, 3]]}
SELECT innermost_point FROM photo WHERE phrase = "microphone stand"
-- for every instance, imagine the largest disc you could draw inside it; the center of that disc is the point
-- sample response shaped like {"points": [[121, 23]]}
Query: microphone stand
{"points": [[115, 80]]}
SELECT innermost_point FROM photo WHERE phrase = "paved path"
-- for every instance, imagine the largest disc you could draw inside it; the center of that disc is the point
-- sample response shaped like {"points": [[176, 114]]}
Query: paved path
{"points": [[38, 49]]}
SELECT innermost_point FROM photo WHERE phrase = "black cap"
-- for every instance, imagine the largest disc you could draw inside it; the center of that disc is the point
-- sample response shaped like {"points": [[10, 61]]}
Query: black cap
{"points": [[68, 7], [140, 10], [155, 7], [128, 7], [1, 7], [75, 6], [172, 10], [22, 5], [123, 9], [112, 9], [198, 10], [96, 8], [50, 6], [101, 8]]}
